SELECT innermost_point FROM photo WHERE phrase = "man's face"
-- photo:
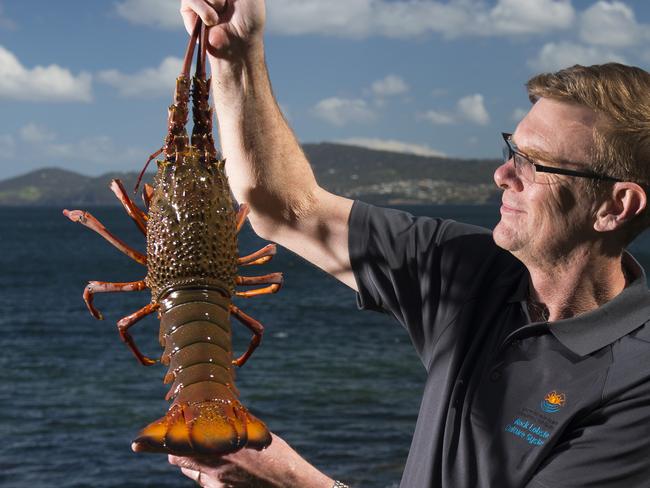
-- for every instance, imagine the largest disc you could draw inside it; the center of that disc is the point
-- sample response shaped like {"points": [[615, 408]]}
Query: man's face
{"points": [[544, 219]]}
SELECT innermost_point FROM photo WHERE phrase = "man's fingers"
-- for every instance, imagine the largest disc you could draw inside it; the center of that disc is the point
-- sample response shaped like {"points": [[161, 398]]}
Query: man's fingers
{"points": [[189, 19], [191, 474], [208, 11], [184, 462], [197, 463]]}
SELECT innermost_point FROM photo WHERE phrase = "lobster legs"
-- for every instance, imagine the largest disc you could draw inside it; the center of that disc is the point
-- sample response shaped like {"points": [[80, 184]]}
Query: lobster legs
{"points": [[106, 287], [254, 326], [87, 219], [261, 256], [138, 216], [123, 325]]}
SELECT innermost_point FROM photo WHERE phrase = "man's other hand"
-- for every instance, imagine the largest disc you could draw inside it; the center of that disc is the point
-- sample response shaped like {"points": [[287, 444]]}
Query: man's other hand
{"points": [[277, 466]]}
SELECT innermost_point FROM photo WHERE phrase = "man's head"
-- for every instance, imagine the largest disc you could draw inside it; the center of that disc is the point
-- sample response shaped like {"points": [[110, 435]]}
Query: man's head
{"points": [[594, 120]]}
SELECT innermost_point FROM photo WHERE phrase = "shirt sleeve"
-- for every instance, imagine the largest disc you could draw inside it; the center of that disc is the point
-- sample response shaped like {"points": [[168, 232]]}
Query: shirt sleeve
{"points": [[421, 270]]}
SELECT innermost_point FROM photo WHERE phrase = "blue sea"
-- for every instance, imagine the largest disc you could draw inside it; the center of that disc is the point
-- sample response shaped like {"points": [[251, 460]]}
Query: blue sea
{"points": [[341, 386]]}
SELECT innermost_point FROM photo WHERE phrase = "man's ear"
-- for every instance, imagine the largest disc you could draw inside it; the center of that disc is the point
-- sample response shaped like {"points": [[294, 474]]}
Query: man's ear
{"points": [[626, 201]]}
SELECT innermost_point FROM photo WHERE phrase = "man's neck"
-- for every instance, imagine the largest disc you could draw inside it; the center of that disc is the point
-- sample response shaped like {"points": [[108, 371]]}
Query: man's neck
{"points": [[580, 283]]}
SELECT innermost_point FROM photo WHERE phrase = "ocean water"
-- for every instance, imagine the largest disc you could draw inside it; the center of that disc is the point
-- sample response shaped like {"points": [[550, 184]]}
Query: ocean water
{"points": [[342, 386]]}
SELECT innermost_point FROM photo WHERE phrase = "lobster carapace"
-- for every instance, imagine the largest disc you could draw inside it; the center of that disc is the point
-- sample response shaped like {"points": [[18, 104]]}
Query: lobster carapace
{"points": [[192, 261]]}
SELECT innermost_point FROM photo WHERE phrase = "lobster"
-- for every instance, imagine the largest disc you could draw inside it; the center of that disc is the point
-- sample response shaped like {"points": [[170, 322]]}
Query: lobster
{"points": [[192, 264]]}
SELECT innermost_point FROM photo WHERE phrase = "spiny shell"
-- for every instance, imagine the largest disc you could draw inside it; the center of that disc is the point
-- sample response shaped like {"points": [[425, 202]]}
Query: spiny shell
{"points": [[191, 231]]}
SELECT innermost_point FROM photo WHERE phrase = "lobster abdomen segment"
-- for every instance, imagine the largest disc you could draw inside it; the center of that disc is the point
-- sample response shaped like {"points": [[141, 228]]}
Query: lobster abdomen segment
{"points": [[206, 415]]}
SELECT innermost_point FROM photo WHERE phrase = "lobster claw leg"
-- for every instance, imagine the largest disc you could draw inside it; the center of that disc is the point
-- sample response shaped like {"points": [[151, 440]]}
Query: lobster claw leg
{"points": [[106, 287], [127, 322], [138, 216], [241, 215], [255, 327], [87, 219], [262, 256], [147, 194], [275, 280]]}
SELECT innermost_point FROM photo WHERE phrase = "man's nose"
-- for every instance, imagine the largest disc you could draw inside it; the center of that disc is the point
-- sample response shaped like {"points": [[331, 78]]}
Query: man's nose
{"points": [[506, 178]]}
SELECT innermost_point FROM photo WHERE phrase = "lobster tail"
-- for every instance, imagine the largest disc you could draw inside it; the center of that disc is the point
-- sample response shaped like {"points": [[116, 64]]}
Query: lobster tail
{"points": [[206, 416]]}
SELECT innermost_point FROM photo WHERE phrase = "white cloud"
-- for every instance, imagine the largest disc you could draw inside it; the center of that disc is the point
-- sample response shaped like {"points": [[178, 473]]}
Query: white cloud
{"points": [[392, 145], [35, 145], [611, 24], [439, 118], [42, 83], [365, 18], [388, 86], [92, 150], [531, 16], [157, 13], [472, 109], [518, 114], [342, 111], [147, 83], [554, 56], [33, 133]]}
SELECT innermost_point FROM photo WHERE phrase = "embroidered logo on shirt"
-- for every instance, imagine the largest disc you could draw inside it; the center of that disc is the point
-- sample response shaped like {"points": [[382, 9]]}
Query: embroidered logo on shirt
{"points": [[553, 401], [532, 426]]}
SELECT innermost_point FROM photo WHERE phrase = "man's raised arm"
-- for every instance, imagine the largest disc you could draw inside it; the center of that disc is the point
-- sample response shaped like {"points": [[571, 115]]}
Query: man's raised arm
{"points": [[265, 164]]}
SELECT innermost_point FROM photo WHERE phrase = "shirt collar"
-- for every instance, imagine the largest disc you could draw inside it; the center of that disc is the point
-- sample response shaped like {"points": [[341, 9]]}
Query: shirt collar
{"points": [[591, 331]]}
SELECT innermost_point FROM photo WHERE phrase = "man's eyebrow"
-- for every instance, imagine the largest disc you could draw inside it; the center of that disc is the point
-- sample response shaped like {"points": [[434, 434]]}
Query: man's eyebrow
{"points": [[545, 157]]}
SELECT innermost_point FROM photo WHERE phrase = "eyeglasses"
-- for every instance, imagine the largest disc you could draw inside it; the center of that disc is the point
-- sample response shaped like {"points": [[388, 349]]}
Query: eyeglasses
{"points": [[526, 168]]}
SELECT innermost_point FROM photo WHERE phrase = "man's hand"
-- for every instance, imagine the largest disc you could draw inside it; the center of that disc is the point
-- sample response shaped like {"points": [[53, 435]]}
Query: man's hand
{"points": [[235, 25], [277, 466]]}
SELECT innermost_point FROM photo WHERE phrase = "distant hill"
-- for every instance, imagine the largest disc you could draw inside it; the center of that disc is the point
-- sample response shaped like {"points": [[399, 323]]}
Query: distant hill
{"points": [[380, 177]]}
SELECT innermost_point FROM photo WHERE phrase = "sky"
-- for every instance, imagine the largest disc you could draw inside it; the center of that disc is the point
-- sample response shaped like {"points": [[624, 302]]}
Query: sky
{"points": [[85, 85]]}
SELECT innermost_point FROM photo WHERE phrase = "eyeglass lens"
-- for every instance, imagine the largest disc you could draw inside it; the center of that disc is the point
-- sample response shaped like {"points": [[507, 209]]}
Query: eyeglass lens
{"points": [[524, 168]]}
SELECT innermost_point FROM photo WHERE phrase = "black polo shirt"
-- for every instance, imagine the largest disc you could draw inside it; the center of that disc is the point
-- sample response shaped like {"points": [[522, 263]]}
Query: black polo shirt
{"points": [[507, 403]]}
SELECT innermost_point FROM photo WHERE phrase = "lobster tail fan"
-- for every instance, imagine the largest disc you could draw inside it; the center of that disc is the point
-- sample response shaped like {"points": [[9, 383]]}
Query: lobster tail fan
{"points": [[216, 428], [203, 428], [258, 435], [152, 437]]}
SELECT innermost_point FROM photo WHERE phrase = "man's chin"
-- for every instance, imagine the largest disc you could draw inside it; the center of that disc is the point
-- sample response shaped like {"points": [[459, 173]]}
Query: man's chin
{"points": [[504, 237]]}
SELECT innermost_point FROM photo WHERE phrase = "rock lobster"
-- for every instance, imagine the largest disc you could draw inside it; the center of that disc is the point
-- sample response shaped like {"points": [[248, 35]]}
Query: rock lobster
{"points": [[191, 229]]}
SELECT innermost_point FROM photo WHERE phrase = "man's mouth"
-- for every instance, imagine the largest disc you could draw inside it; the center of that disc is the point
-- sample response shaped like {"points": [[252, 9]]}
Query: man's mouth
{"points": [[509, 208]]}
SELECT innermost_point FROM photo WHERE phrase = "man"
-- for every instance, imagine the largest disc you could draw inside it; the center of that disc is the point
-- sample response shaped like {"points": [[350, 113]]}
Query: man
{"points": [[537, 348]]}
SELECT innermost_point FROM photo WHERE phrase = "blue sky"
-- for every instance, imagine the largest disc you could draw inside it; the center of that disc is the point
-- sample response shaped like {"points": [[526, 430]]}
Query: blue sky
{"points": [[85, 85]]}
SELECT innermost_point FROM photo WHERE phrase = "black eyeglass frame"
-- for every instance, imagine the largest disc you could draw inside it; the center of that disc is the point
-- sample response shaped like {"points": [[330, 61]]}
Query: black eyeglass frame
{"points": [[511, 152]]}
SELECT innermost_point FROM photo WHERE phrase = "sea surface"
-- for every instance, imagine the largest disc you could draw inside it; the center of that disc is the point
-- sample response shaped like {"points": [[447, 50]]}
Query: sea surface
{"points": [[342, 386]]}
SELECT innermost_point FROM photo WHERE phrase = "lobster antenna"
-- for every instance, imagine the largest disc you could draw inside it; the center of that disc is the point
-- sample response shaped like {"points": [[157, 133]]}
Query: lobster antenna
{"points": [[204, 49], [200, 55], [187, 64], [201, 132], [189, 53]]}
